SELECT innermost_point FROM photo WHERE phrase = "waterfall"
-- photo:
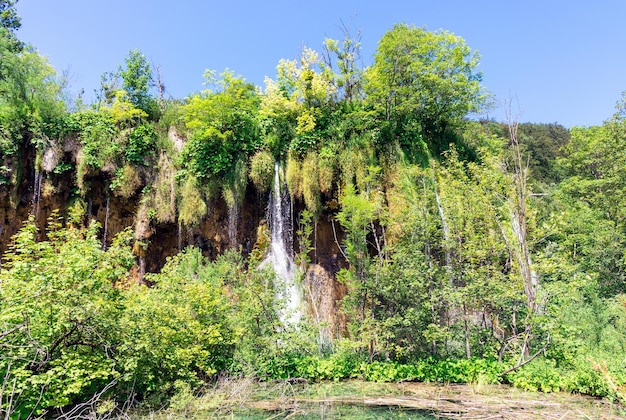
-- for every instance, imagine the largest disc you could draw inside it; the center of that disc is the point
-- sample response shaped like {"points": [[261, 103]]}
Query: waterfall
{"points": [[281, 258], [180, 236], [142, 269], [37, 193], [233, 217]]}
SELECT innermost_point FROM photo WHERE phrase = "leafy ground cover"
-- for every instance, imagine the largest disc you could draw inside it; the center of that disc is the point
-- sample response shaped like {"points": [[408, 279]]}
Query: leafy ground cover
{"points": [[359, 399]]}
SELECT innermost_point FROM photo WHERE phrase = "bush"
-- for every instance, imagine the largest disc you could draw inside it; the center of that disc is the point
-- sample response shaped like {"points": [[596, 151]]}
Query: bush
{"points": [[59, 316], [346, 365], [178, 330], [140, 143]]}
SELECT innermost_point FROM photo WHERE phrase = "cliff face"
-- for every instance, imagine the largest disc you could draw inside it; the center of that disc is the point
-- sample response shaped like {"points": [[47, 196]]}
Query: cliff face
{"points": [[39, 193]]}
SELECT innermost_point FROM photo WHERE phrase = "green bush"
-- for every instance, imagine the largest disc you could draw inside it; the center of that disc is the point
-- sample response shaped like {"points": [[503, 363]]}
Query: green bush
{"points": [[177, 330], [540, 375], [338, 366], [140, 143], [59, 316], [72, 326]]}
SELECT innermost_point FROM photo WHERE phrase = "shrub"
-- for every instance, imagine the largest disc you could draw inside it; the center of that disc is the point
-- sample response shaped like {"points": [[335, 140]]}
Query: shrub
{"points": [[140, 143]]}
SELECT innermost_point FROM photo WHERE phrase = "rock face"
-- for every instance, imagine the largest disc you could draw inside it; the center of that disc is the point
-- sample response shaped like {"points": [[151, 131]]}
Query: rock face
{"points": [[324, 294], [40, 193]]}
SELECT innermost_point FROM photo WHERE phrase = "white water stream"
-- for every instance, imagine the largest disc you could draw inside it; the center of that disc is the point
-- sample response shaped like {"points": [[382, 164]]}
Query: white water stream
{"points": [[36, 193], [287, 290]]}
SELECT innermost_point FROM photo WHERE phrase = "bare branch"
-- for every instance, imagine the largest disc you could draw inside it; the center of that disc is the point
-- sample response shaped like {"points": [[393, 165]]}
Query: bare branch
{"points": [[12, 330], [530, 359]]}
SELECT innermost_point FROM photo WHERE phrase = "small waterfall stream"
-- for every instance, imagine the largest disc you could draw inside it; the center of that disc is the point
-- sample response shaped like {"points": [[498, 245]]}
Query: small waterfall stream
{"points": [[233, 217], [38, 180], [281, 258], [180, 236]]}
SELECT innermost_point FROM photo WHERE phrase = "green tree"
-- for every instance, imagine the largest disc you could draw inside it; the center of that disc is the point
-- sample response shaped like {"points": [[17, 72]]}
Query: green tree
{"points": [[223, 124], [593, 186], [130, 87], [59, 313], [349, 80], [29, 100], [178, 329], [137, 81], [423, 84], [10, 22], [363, 217], [295, 107]]}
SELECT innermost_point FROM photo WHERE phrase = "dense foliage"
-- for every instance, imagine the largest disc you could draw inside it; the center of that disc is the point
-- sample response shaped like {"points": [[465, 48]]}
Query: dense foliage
{"points": [[470, 250]]}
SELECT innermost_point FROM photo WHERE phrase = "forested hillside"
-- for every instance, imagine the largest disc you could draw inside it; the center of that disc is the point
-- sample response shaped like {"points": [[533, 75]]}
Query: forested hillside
{"points": [[141, 233]]}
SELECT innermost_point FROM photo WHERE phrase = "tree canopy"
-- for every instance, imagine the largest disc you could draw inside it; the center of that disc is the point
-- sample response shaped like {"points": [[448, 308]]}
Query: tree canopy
{"points": [[424, 81]]}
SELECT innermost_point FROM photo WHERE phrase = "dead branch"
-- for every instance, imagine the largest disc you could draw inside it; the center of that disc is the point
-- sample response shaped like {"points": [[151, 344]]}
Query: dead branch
{"points": [[12, 330], [530, 359]]}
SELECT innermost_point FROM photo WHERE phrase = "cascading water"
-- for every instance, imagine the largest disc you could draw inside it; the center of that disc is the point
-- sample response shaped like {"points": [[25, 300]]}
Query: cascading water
{"points": [[36, 193], [180, 236], [287, 290], [233, 216]]}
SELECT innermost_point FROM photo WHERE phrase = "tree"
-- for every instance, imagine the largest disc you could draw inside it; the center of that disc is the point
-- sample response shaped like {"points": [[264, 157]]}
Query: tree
{"points": [[9, 23], [223, 126], [133, 82], [423, 83], [594, 179], [31, 111], [350, 78], [59, 314], [295, 106], [137, 81]]}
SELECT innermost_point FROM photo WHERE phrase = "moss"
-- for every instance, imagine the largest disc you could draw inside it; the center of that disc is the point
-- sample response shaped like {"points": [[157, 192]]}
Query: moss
{"points": [[192, 207], [235, 183], [165, 191], [262, 170], [81, 171], [311, 183], [294, 176], [126, 182], [326, 170]]}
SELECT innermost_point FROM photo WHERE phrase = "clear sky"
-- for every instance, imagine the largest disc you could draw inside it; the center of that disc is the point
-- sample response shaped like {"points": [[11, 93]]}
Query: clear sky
{"points": [[561, 61]]}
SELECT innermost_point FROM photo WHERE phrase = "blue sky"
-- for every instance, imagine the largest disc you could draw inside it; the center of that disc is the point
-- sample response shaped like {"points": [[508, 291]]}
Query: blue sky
{"points": [[560, 61]]}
